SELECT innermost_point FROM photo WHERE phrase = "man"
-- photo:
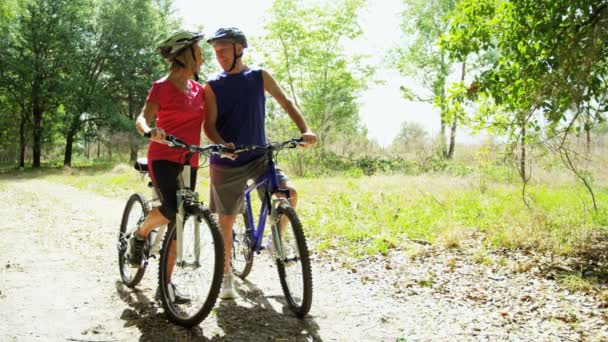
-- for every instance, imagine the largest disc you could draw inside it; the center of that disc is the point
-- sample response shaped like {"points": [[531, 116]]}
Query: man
{"points": [[236, 113]]}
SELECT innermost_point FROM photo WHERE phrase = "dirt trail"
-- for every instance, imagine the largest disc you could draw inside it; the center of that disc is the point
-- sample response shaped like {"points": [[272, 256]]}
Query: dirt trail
{"points": [[60, 282]]}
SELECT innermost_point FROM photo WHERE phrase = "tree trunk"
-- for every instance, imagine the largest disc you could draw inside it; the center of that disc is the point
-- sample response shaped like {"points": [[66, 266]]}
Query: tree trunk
{"points": [[588, 137], [69, 140], [455, 120], [444, 110], [522, 162], [22, 139], [133, 151], [98, 148], [37, 114], [452, 139], [443, 142]]}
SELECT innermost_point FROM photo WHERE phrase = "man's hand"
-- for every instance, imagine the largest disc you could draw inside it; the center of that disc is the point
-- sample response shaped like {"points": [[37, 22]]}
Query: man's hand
{"points": [[231, 156], [308, 139]]}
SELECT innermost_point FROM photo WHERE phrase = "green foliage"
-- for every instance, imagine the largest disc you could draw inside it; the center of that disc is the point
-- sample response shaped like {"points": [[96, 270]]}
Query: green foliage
{"points": [[424, 22], [303, 49], [420, 56], [72, 69], [412, 136], [552, 57]]}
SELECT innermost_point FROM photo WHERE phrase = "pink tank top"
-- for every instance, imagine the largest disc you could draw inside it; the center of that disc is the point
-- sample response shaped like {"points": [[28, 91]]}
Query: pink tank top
{"points": [[179, 115]]}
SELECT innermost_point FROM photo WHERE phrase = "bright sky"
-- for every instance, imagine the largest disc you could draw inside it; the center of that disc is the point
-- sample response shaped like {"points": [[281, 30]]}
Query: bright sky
{"points": [[382, 107]]}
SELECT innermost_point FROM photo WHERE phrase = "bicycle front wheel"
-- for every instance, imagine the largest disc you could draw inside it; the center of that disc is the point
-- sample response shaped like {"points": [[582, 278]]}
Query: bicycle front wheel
{"points": [[293, 265], [134, 214], [190, 288]]}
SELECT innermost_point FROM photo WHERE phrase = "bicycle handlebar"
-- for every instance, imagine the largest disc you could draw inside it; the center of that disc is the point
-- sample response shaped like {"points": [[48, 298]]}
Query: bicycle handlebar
{"points": [[291, 143], [211, 149], [218, 150]]}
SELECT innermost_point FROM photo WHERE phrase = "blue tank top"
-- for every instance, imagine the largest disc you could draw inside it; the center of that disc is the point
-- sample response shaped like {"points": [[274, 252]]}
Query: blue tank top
{"points": [[241, 112]]}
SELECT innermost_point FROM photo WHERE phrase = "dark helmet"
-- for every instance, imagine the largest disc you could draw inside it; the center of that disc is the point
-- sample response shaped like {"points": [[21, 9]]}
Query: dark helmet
{"points": [[229, 33]]}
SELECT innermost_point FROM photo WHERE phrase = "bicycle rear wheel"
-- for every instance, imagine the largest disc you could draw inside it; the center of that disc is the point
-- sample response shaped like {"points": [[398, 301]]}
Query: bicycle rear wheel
{"points": [[134, 214], [241, 258], [294, 268], [197, 279]]}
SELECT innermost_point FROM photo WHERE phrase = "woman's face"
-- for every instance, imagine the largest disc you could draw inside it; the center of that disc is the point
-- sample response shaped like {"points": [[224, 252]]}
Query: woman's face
{"points": [[198, 57]]}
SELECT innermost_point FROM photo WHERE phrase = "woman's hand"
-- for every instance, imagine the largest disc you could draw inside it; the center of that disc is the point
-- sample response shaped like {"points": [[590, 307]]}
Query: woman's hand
{"points": [[158, 135]]}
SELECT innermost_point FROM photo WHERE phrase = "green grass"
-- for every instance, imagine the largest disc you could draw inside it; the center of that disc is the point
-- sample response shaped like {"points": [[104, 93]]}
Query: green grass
{"points": [[369, 215], [575, 283], [373, 214]]}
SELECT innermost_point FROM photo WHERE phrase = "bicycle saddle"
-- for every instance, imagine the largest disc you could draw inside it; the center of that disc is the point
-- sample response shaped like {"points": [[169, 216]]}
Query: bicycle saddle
{"points": [[141, 165]]}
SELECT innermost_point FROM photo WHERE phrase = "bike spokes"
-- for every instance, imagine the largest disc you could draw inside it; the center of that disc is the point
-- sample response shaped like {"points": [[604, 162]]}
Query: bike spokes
{"points": [[190, 287], [134, 213], [293, 263], [241, 259]]}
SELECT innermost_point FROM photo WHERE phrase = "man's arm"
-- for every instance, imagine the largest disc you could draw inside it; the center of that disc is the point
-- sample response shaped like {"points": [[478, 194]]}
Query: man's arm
{"points": [[271, 86], [211, 119]]}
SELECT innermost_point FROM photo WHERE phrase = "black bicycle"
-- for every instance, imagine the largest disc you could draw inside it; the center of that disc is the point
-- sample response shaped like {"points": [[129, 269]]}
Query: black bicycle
{"points": [[195, 268]]}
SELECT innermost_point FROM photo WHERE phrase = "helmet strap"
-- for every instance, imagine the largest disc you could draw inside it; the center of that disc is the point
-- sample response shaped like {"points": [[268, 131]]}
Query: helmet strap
{"points": [[235, 57]]}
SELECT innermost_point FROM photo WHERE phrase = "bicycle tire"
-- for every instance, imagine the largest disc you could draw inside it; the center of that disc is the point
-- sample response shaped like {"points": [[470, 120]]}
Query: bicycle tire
{"points": [[173, 311], [241, 258], [128, 278], [299, 308]]}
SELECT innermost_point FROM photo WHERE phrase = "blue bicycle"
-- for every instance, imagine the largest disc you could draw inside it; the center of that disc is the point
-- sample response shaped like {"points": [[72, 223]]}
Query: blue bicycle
{"points": [[288, 243]]}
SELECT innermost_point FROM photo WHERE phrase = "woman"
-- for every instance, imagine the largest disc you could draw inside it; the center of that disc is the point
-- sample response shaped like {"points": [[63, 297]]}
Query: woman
{"points": [[177, 102]]}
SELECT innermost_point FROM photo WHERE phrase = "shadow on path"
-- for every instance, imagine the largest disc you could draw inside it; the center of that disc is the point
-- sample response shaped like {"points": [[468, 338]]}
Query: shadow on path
{"points": [[253, 317]]}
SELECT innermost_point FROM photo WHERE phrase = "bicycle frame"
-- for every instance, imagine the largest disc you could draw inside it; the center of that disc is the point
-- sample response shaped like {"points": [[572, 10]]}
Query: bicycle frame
{"points": [[184, 193], [270, 180]]}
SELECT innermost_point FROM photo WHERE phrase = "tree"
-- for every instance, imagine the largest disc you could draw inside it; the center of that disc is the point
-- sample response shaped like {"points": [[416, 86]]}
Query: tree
{"points": [[424, 23], [320, 77], [14, 113], [551, 67], [37, 50], [412, 136], [134, 27], [117, 62]]}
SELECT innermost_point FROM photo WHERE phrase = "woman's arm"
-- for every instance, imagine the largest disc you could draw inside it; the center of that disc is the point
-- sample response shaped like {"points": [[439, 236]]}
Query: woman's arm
{"points": [[142, 123]]}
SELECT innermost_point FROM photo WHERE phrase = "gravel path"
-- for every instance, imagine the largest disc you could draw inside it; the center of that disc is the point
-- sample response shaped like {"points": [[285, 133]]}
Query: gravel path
{"points": [[60, 282]]}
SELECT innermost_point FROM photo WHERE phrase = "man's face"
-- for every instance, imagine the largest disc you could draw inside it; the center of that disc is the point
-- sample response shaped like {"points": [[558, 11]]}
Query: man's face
{"points": [[224, 52]]}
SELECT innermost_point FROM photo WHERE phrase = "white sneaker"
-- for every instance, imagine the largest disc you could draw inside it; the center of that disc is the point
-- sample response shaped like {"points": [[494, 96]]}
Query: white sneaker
{"points": [[227, 291]]}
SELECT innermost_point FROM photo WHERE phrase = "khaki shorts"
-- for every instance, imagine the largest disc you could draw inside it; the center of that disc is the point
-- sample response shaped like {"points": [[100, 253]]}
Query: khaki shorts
{"points": [[227, 188]]}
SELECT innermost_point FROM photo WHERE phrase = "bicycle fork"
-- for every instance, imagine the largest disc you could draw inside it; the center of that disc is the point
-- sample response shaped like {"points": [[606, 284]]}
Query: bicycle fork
{"points": [[275, 228], [187, 201]]}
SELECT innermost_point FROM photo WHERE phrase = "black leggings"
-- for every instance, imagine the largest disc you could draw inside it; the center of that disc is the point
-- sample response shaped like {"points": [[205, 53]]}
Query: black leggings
{"points": [[164, 176]]}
